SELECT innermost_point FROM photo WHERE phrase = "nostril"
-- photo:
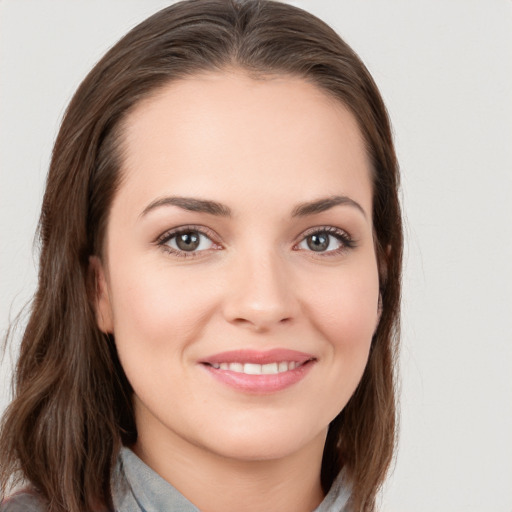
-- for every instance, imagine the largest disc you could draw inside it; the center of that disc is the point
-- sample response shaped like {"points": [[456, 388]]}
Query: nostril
{"points": [[260, 311], [241, 321]]}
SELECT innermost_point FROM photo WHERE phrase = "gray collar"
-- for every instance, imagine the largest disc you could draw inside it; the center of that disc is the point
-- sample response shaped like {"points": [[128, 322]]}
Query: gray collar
{"points": [[137, 488]]}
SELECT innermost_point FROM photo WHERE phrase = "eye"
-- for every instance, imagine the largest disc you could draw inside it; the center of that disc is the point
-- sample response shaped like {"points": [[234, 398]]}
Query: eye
{"points": [[326, 240], [186, 242]]}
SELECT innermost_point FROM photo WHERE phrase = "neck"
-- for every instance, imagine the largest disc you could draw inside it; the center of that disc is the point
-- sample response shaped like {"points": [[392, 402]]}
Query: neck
{"points": [[214, 483]]}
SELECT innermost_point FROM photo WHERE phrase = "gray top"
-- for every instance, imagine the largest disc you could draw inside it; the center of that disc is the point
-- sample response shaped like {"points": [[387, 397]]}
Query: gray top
{"points": [[137, 488]]}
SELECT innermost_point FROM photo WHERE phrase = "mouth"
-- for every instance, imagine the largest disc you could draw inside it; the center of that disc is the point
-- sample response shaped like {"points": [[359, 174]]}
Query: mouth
{"points": [[259, 372], [259, 369]]}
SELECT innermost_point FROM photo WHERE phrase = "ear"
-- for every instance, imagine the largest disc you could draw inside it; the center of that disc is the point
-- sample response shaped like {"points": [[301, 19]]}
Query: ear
{"points": [[100, 296]]}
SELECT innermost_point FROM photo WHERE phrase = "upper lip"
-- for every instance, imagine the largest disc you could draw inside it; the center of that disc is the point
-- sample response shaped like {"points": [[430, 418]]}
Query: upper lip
{"points": [[258, 356]]}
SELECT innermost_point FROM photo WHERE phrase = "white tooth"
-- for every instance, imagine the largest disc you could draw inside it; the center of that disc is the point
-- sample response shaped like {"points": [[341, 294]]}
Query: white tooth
{"points": [[224, 366], [216, 365], [252, 369], [283, 367], [292, 365], [269, 368], [236, 367]]}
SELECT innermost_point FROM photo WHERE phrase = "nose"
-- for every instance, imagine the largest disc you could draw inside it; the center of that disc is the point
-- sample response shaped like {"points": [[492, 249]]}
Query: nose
{"points": [[260, 294]]}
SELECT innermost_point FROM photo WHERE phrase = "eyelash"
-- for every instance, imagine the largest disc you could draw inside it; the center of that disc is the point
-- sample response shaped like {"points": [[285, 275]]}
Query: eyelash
{"points": [[166, 237], [347, 242]]}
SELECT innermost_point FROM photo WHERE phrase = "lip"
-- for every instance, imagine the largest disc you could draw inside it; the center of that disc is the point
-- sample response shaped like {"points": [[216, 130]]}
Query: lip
{"points": [[258, 357], [259, 384]]}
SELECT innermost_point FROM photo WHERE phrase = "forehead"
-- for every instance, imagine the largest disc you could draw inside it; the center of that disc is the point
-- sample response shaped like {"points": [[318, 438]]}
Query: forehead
{"points": [[220, 134]]}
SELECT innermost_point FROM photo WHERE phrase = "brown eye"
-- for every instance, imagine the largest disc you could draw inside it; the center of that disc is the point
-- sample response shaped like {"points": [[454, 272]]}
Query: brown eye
{"points": [[329, 241], [318, 242], [188, 241]]}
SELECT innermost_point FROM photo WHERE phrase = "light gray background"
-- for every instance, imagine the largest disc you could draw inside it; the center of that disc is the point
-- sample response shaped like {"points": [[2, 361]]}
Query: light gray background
{"points": [[445, 70]]}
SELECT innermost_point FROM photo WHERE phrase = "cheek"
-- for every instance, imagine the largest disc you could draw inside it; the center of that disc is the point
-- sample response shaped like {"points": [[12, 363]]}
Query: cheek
{"points": [[152, 307], [158, 315], [344, 308]]}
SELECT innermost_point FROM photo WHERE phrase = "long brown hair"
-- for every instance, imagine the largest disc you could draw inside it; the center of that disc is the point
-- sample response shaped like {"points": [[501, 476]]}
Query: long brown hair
{"points": [[72, 406]]}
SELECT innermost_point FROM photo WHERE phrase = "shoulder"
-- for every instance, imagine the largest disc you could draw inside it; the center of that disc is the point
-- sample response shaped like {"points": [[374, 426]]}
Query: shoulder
{"points": [[24, 501]]}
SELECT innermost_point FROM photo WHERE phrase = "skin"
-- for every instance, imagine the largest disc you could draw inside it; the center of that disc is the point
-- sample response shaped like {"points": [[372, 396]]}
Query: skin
{"points": [[259, 147]]}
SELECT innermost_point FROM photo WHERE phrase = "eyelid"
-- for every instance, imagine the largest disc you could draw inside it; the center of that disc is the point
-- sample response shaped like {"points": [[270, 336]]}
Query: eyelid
{"points": [[343, 236], [169, 233], [162, 239], [324, 229]]}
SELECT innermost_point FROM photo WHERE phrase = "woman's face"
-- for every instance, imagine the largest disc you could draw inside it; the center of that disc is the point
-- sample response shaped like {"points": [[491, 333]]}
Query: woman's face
{"points": [[239, 277]]}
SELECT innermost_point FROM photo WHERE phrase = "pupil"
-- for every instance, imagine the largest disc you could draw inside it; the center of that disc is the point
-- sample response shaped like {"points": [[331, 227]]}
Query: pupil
{"points": [[188, 241], [318, 242]]}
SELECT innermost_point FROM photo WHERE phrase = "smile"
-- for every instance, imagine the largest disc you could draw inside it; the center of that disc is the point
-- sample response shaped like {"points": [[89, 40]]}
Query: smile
{"points": [[259, 372], [258, 369]]}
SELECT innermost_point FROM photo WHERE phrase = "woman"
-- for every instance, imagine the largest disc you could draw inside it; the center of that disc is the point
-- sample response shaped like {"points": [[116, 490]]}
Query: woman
{"points": [[216, 319]]}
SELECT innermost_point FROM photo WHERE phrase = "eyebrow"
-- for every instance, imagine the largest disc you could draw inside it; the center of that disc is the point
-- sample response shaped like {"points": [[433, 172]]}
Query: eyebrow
{"points": [[191, 204], [324, 204], [218, 209]]}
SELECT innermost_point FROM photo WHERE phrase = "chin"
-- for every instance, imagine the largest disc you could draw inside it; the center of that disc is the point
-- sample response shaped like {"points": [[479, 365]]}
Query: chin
{"points": [[265, 443]]}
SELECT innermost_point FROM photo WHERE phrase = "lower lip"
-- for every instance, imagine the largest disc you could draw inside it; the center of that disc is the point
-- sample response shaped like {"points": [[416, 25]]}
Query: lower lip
{"points": [[260, 384]]}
